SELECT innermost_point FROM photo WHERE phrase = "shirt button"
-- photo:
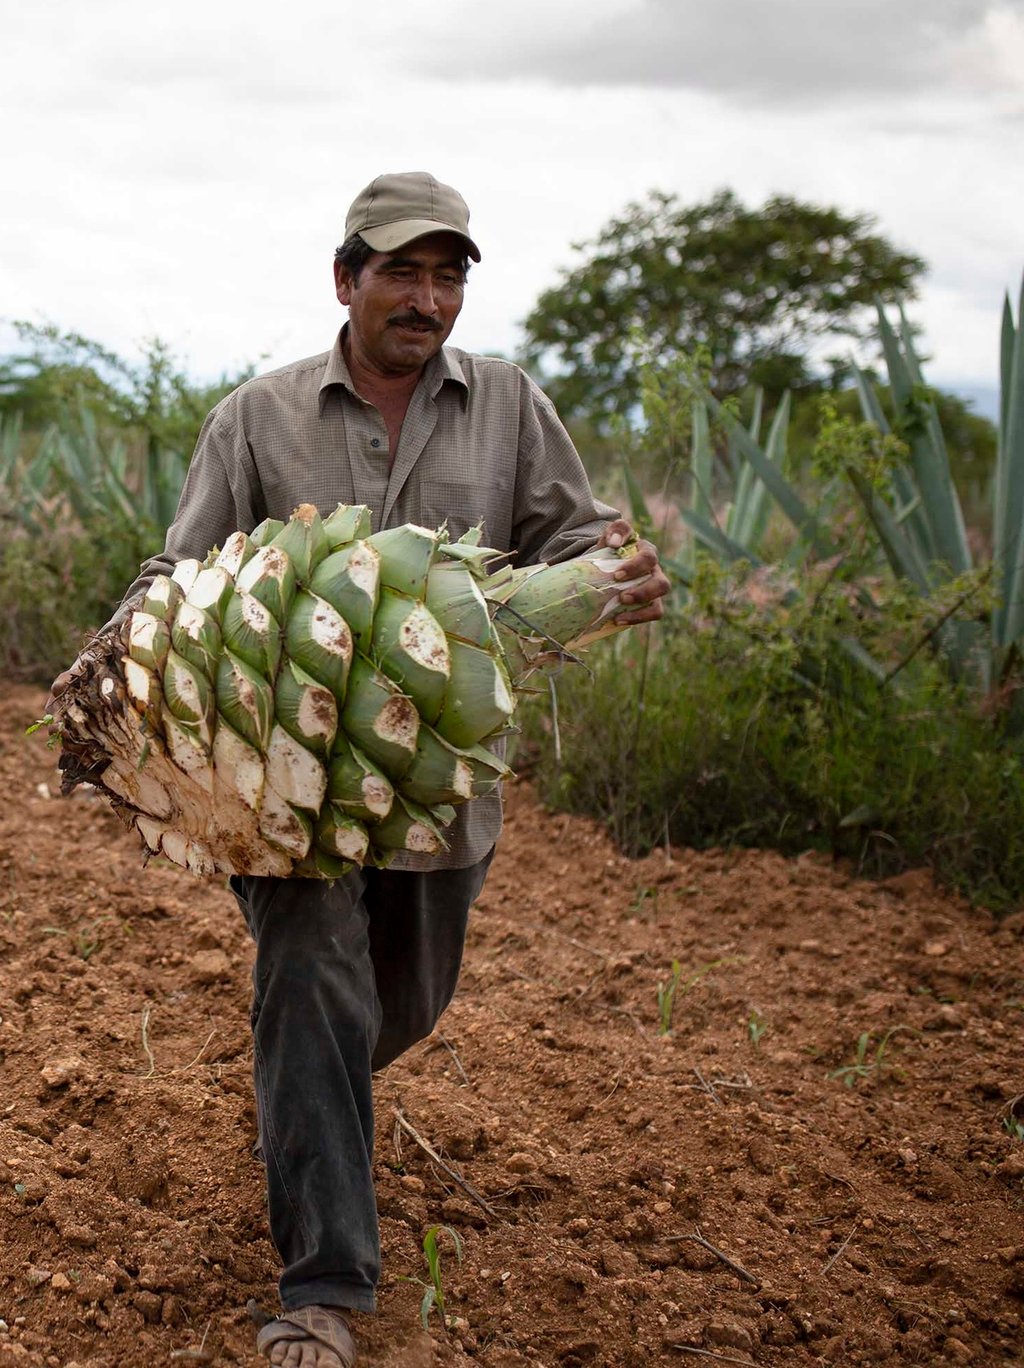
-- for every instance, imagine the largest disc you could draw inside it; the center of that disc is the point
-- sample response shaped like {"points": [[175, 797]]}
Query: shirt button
{"points": [[375, 442]]}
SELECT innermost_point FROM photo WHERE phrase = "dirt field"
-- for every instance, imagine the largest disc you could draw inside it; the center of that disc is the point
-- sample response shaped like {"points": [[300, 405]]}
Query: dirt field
{"points": [[718, 1194]]}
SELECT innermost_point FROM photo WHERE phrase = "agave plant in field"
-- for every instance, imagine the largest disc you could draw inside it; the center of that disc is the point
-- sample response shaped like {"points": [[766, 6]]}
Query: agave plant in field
{"points": [[915, 512], [315, 696]]}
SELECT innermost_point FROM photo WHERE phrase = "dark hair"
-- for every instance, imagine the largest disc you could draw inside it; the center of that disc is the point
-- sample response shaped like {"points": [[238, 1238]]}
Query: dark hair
{"points": [[354, 253]]}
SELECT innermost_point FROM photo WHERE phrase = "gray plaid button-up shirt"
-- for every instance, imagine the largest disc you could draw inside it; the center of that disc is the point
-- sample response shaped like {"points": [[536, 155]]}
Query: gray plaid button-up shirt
{"points": [[479, 442]]}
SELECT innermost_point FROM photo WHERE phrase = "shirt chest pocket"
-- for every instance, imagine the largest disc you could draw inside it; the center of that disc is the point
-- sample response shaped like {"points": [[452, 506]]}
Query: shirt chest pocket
{"points": [[462, 504]]}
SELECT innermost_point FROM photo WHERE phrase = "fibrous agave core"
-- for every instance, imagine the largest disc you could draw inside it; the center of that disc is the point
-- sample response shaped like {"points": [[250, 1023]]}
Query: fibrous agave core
{"points": [[315, 695]]}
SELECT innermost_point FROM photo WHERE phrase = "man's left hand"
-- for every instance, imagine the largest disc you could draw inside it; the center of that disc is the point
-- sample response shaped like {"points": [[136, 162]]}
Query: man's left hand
{"points": [[646, 598]]}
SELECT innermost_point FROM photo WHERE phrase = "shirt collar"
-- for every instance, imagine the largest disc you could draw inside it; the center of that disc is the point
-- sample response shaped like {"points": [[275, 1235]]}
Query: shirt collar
{"points": [[443, 367]]}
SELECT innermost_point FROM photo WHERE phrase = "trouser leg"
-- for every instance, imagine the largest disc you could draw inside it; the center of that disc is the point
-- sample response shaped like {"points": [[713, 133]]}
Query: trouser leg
{"points": [[347, 976], [315, 1020], [417, 933]]}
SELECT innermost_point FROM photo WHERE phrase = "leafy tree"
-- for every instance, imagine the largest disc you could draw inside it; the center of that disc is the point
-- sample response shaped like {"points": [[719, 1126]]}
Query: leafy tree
{"points": [[750, 289]]}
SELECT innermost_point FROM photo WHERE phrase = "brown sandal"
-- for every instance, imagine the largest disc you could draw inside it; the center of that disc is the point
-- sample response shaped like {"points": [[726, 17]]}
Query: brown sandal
{"points": [[326, 1324]]}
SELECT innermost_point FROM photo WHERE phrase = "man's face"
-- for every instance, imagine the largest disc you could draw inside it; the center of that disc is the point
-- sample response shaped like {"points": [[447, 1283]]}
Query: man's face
{"points": [[404, 304]]}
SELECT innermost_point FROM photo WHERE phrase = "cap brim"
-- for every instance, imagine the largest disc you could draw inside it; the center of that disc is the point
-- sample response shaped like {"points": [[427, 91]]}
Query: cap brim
{"points": [[390, 236]]}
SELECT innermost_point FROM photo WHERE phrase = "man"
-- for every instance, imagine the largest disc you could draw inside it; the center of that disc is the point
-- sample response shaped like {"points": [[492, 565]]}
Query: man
{"points": [[349, 975]]}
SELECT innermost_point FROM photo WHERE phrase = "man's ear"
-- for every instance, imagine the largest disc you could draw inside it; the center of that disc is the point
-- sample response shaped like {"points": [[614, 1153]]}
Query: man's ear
{"points": [[343, 283]]}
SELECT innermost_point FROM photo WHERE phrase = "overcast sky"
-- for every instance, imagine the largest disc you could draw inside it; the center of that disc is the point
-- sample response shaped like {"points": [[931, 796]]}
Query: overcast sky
{"points": [[184, 170]]}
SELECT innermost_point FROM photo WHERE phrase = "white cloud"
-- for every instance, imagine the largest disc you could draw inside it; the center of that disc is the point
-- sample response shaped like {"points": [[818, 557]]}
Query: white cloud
{"points": [[789, 52], [185, 172]]}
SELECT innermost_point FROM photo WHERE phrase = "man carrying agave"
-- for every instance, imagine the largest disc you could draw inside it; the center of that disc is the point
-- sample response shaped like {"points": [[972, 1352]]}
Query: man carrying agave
{"points": [[374, 547]]}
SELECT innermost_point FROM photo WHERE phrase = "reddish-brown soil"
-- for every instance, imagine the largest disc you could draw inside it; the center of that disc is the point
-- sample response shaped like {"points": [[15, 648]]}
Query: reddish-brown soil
{"points": [[874, 1217]]}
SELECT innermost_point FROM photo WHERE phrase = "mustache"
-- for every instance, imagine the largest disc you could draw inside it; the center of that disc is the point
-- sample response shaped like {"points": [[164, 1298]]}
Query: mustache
{"points": [[415, 320]]}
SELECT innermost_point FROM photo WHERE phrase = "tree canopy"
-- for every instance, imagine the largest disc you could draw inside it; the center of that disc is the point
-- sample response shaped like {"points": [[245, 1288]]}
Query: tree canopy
{"points": [[750, 289]]}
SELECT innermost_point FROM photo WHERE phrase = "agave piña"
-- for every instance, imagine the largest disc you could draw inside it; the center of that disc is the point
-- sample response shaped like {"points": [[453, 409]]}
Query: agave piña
{"points": [[315, 696]]}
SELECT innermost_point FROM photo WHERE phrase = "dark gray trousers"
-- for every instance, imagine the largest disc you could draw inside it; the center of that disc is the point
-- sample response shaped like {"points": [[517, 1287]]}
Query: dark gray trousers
{"points": [[347, 976]]}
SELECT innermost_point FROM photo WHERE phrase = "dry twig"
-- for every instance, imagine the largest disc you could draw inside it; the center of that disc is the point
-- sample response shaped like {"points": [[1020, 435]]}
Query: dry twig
{"points": [[145, 1042], [456, 1177], [709, 1353], [199, 1055], [443, 1040], [838, 1252], [709, 1088], [200, 1352], [738, 1269]]}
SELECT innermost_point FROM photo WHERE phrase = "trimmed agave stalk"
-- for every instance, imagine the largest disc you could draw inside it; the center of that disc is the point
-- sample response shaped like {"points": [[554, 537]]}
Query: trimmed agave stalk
{"points": [[410, 826], [356, 785], [441, 771], [548, 612], [379, 718], [315, 696], [349, 580]]}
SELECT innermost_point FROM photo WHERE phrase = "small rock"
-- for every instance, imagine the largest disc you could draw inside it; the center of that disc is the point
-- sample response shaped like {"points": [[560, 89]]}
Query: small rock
{"points": [[761, 1154], [171, 1312], [936, 949], [957, 1350], [210, 966], [60, 1282], [94, 1287], [411, 1183], [33, 1187], [579, 1225], [638, 1118], [946, 1018], [618, 1263], [149, 1304], [1011, 1169], [35, 1277], [521, 1162], [58, 1073], [81, 1235], [729, 1335]]}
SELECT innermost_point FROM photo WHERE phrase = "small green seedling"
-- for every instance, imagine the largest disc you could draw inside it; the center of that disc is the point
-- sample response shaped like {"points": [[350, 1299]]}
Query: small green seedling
{"points": [[644, 896], [667, 990], [864, 1064], [1013, 1118], [433, 1295], [756, 1029], [667, 997], [85, 939]]}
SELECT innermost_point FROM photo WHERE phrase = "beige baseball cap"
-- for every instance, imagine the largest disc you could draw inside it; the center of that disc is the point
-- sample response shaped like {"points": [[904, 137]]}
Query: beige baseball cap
{"points": [[396, 209]]}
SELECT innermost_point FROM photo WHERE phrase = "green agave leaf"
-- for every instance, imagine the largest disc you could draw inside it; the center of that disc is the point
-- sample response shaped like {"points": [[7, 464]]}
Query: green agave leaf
{"points": [[349, 580], [356, 784], [410, 646], [348, 523], [318, 639]]}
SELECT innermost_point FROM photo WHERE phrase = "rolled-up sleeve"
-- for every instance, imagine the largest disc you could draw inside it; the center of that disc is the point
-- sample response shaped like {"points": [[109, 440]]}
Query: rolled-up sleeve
{"points": [[555, 515]]}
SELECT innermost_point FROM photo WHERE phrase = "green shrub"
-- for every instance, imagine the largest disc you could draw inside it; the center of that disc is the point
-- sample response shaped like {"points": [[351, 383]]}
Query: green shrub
{"points": [[751, 729], [61, 583]]}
